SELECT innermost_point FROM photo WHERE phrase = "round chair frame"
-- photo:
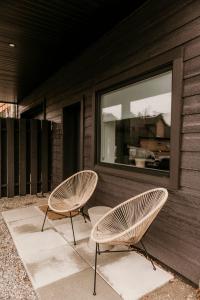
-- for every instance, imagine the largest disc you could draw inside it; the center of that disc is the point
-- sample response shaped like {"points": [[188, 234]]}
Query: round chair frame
{"points": [[135, 232], [72, 198]]}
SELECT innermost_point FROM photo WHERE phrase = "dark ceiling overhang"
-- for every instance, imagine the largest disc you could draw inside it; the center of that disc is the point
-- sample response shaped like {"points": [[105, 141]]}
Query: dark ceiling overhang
{"points": [[48, 34]]}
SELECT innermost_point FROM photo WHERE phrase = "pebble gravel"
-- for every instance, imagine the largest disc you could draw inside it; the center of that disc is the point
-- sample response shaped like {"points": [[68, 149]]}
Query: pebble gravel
{"points": [[14, 281]]}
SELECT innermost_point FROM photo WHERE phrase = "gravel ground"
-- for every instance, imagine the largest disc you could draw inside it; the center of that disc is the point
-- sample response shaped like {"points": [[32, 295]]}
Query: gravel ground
{"points": [[14, 281], [174, 290]]}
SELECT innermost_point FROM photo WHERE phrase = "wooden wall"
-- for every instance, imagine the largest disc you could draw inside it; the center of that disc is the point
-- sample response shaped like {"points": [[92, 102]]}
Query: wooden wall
{"points": [[159, 27], [24, 156]]}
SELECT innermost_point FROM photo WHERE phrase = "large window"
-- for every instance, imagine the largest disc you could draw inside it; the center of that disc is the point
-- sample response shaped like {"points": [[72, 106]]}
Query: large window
{"points": [[136, 123]]}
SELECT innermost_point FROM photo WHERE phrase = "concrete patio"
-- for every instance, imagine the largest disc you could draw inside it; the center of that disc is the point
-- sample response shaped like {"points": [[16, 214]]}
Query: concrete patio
{"points": [[57, 268], [15, 284]]}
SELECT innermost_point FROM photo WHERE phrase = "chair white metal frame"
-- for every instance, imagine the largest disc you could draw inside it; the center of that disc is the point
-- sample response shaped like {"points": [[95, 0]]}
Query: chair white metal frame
{"points": [[71, 196], [127, 223]]}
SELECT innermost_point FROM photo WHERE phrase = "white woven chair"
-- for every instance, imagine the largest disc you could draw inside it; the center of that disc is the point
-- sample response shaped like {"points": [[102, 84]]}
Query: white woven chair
{"points": [[127, 223], [71, 196]]}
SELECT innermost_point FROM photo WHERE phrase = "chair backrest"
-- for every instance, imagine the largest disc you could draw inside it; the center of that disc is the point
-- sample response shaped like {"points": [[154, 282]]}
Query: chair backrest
{"points": [[75, 191], [137, 212]]}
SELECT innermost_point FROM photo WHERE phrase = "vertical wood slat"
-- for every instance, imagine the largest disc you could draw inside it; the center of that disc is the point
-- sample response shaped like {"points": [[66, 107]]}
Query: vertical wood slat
{"points": [[34, 156], [10, 153], [45, 155], [22, 156], [177, 93], [0, 159], [10, 158], [82, 111], [93, 129]]}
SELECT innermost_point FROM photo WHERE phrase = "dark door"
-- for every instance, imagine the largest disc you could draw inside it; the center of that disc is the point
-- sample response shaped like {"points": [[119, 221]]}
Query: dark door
{"points": [[71, 139]]}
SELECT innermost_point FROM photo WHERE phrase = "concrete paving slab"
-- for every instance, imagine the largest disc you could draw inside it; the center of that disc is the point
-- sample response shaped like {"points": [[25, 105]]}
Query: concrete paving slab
{"points": [[51, 265], [46, 255], [78, 287], [82, 230], [87, 253], [34, 243], [76, 219], [21, 213], [27, 226], [132, 276]]}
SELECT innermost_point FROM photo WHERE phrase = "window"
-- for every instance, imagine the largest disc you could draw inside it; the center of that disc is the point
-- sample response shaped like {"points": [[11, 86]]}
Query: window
{"points": [[8, 110], [136, 124]]}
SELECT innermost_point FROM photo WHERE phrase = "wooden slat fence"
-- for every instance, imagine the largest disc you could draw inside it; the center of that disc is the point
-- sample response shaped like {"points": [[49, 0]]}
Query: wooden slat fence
{"points": [[25, 156]]}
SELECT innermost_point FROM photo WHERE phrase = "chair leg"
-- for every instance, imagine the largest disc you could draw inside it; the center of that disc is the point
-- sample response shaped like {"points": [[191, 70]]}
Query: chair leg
{"points": [[147, 255], [45, 218], [72, 228], [95, 269], [83, 215], [98, 249]]}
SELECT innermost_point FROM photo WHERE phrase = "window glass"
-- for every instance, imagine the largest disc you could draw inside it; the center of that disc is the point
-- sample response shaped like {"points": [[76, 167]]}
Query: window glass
{"points": [[8, 110], [136, 123]]}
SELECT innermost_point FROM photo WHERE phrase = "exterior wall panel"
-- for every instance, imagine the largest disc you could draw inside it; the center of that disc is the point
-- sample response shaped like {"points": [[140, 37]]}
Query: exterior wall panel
{"points": [[160, 27]]}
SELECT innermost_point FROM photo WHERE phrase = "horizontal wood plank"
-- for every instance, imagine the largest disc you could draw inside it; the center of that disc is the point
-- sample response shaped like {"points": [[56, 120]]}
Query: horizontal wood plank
{"points": [[192, 49], [190, 160], [190, 179], [191, 86], [192, 67], [191, 142], [191, 105], [191, 123]]}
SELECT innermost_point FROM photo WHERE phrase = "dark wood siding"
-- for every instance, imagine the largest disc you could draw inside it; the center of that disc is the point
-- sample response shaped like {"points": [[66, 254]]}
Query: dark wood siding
{"points": [[10, 158], [160, 27], [22, 157]]}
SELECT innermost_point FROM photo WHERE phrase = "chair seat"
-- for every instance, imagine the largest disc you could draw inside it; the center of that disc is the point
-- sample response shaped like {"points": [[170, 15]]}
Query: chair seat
{"points": [[69, 204], [127, 223], [74, 192], [69, 197], [112, 238]]}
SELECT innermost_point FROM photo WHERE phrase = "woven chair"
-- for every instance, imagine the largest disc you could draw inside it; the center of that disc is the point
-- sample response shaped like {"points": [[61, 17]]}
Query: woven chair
{"points": [[68, 198], [127, 223]]}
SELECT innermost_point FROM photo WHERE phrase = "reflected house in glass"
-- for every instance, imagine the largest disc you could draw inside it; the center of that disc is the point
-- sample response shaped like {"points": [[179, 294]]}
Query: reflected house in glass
{"points": [[152, 135], [136, 122]]}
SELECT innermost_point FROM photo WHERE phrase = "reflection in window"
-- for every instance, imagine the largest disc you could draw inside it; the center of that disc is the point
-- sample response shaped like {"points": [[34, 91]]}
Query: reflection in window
{"points": [[136, 122], [8, 110]]}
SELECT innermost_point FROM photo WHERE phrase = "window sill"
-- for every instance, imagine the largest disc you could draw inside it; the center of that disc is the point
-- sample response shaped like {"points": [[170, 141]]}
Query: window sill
{"points": [[157, 178]]}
